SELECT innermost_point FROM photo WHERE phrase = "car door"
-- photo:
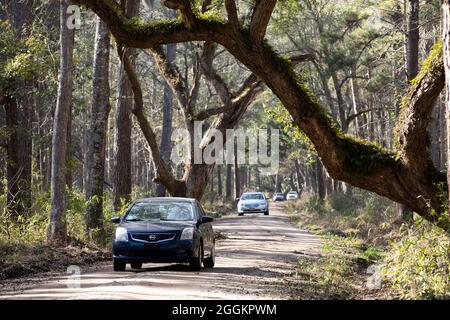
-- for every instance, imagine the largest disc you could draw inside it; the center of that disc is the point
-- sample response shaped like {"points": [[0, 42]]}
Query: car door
{"points": [[206, 230]]}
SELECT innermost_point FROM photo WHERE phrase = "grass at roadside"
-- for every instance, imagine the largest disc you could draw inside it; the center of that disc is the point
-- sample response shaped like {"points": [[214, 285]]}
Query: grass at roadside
{"points": [[365, 233]]}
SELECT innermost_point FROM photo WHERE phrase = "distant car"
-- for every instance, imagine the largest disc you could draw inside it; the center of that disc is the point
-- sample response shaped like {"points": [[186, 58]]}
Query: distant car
{"points": [[292, 195], [168, 230], [278, 196], [253, 202]]}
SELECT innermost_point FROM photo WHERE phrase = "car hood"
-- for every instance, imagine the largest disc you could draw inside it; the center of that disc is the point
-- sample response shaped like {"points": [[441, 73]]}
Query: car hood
{"points": [[253, 202], [152, 226]]}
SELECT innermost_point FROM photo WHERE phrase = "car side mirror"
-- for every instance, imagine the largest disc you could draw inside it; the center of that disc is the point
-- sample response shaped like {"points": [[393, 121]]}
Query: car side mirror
{"points": [[206, 220], [237, 199], [115, 220]]}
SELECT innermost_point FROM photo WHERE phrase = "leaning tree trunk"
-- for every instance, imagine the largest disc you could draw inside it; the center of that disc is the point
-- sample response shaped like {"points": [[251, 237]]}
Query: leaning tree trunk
{"points": [[122, 175], [56, 228], [97, 135]]}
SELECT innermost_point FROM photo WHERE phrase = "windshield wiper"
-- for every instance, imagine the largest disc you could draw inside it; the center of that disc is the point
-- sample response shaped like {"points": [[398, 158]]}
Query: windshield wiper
{"points": [[133, 220]]}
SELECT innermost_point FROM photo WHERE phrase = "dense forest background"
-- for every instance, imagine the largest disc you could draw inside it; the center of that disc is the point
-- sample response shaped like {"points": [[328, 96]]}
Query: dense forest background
{"points": [[64, 174]]}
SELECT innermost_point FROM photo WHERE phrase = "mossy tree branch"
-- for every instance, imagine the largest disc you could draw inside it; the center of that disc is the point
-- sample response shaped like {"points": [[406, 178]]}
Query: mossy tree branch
{"points": [[417, 106], [362, 164]]}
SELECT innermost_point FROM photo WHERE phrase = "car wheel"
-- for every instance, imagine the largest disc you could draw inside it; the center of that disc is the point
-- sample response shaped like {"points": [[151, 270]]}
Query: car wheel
{"points": [[266, 213], [196, 265], [210, 261], [136, 265], [119, 265], [240, 214]]}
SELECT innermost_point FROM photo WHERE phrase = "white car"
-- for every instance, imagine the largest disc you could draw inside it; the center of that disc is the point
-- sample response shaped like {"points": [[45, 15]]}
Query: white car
{"points": [[292, 195], [253, 202]]}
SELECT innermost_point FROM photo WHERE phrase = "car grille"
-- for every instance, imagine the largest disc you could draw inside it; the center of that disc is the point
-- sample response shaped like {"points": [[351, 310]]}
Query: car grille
{"points": [[152, 254], [152, 237]]}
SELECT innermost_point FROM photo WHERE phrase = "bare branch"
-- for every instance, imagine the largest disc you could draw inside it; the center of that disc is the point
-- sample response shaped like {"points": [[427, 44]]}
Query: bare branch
{"points": [[212, 76], [260, 19], [193, 95]]}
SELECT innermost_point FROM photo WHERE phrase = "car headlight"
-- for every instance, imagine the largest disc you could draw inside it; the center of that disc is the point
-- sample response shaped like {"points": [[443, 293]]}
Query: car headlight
{"points": [[262, 205], [187, 234], [121, 234]]}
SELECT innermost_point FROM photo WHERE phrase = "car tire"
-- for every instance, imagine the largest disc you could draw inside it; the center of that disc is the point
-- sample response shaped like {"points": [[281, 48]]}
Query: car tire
{"points": [[119, 265], [136, 265], [196, 265], [210, 261], [240, 214], [266, 213]]}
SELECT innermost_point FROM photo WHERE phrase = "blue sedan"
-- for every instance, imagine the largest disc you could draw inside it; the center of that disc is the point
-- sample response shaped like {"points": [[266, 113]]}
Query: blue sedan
{"points": [[166, 230]]}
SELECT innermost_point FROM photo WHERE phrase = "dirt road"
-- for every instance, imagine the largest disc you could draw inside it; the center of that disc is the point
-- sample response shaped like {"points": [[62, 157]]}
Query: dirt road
{"points": [[257, 260]]}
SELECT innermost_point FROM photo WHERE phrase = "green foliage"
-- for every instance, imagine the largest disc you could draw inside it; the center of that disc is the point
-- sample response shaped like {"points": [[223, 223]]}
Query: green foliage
{"points": [[419, 264], [21, 58]]}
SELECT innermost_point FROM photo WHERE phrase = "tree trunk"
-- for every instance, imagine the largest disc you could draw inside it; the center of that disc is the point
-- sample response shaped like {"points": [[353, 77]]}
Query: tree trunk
{"points": [[298, 173], [98, 129], [166, 147], [228, 182], [446, 48], [357, 105], [413, 40], [122, 174], [320, 180], [237, 178], [70, 152], [20, 199], [412, 62], [277, 183], [56, 228], [219, 181], [13, 199]]}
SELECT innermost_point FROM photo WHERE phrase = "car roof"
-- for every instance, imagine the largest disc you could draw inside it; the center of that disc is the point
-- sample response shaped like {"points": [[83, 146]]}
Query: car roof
{"points": [[166, 199], [252, 192]]}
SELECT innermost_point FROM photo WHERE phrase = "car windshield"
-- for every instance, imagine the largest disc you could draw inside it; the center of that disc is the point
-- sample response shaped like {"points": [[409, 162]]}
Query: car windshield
{"points": [[167, 211], [252, 196], [292, 192]]}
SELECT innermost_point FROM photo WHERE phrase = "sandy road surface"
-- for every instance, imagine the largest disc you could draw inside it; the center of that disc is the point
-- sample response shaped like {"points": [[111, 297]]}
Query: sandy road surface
{"points": [[256, 261]]}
